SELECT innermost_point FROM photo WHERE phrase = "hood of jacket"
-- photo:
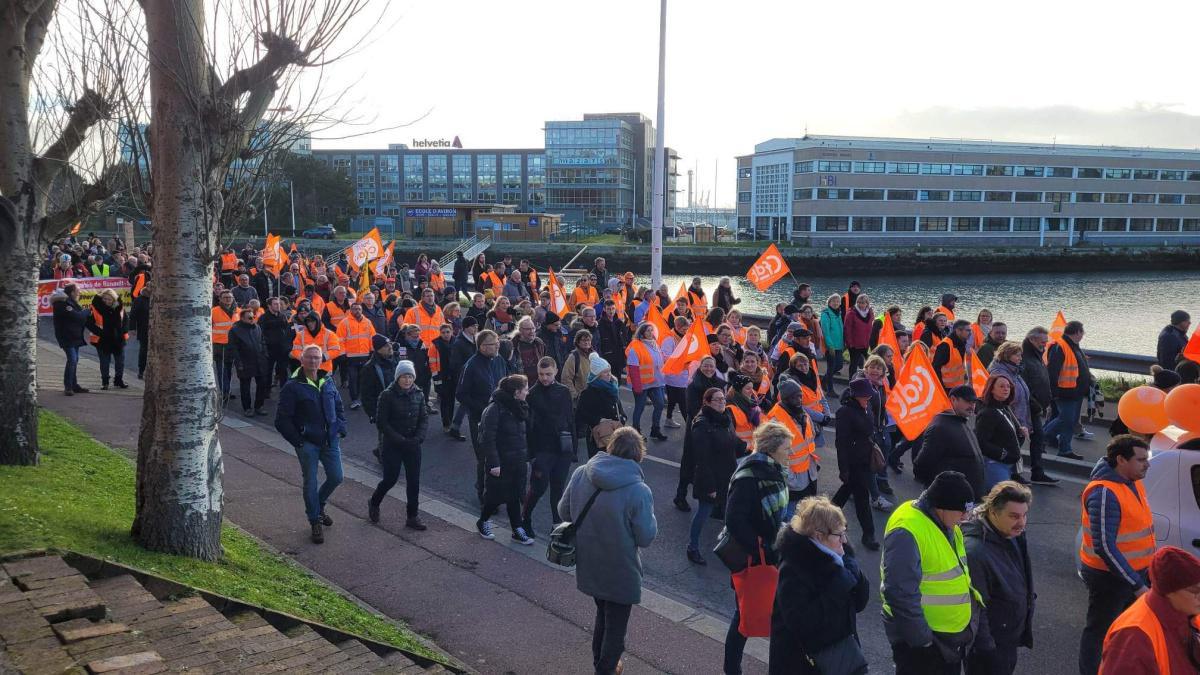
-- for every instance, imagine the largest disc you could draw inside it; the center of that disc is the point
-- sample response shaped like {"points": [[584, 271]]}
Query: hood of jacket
{"points": [[1102, 471], [792, 546], [607, 472], [519, 409]]}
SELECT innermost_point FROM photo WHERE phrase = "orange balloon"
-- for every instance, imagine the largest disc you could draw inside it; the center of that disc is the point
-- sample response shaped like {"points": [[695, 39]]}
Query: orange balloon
{"points": [[1183, 406], [1143, 409]]}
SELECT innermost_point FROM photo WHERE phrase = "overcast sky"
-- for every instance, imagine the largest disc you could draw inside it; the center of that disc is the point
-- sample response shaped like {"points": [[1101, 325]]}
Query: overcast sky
{"points": [[739, 73]]}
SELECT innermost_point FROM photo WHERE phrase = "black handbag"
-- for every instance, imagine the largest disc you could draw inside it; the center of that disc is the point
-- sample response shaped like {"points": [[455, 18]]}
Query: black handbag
{"points": [[561, 548], [730, 552], [844, 657]]}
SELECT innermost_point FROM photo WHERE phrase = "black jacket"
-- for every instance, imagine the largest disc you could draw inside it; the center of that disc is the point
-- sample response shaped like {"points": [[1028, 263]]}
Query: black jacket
{"points": [[854, 435], [746, 519], [278, 333], [556, 345], [249, 352], [1054, 364], [715, 451], [461, 349], [401, 417], [478, 379], [724, 298], [502, 430], [1002, 573], [266, 285], [1033, 371], [948, 444], [376, 375], [694, 395], [998, 433], [614, 339], [420, 360], [1171, 342], [139, 317], [550, 414], [115, 332], [462, 269], [816, 602], [595, 404], [69, 322]]}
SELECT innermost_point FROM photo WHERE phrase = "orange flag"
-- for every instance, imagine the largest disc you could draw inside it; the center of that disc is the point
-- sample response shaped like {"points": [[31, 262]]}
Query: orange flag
{"points": [[692, 347], [558, 297], [979, 374], [366, 249], [1056, 328], [75, 230], [887, 336], [379, 267], [654, 316], [917, 396], [769, 268], [1192, 351]]}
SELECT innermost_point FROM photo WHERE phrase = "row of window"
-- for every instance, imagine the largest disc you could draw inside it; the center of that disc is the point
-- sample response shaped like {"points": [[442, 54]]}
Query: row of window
{"points": [[905, 195], [988, 224], [1019, 171], [536, 197]]}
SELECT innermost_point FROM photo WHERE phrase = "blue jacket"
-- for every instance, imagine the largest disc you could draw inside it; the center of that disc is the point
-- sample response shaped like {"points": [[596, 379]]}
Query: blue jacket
{"points": [[1104, 515], [479, 378], [310, 412]]}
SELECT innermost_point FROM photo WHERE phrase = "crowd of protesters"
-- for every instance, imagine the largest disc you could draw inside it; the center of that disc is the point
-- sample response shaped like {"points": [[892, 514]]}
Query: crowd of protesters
{"points": [[535, 382]]}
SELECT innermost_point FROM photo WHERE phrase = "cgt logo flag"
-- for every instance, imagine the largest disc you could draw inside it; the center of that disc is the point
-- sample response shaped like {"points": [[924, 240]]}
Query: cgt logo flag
{"points": [[768, 269], [366, 249], [1192, 351], [917, 396], [379, 268], [693, 347], [558, 297], [979, 374]]}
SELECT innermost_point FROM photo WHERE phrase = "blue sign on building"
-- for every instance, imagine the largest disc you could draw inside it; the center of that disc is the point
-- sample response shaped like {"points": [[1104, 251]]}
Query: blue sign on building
{"points": [[430, 213], [533, 221]]}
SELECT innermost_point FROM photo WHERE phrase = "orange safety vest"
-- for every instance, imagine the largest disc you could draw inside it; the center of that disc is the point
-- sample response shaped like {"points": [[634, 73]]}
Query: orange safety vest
{"points": [[1135, 536], [1141, 617], [739, 334], [355, 335], [257, 313], [229, 262], [949, 313], [645, 362], [619, 302], [221, 323], [437, 281], [811, 398], [587, 297], [431, 326], [786, 351], [954, 373], [336, 313], [917, 331], [763, 388], [697, 301], [139, 283], [1068, 377], [741, 425], [495, 281], [99, 319], [804, 448], [330, 346], [531, 276], [977, 332]]}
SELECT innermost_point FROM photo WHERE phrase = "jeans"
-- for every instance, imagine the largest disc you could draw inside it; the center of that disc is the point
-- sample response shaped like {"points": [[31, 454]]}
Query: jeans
{"points": [[699, 517], [393, 459], [310, 455], [548, 470], [223, 368], [735, 645], [1062, 427], [262, 387], [117, 357], [1037, 442], [655, 394], [833, 366], [1108, 597], [70, 380], [858, 485], [994, 472], [608, 637], [354, 366], [922, 661]]}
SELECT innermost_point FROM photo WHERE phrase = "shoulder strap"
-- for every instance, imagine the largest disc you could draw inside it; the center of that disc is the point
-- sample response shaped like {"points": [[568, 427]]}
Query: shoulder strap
{"points": [[586, 507]]}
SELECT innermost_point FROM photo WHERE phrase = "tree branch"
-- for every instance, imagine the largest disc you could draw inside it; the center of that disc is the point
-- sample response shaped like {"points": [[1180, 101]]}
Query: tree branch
{"points": [[281, 52], [57, 223], [90, 109]]}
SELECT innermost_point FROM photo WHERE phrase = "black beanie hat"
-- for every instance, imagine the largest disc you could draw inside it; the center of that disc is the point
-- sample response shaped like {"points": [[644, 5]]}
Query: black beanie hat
{"points": [[951, 491]]}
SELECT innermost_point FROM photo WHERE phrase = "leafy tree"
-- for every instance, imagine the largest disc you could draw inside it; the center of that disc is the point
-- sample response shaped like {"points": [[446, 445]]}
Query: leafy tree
{"points": [[315, 185]]}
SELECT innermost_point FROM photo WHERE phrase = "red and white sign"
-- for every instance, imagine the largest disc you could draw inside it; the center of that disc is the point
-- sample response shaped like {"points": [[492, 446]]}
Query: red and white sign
{"points": [[89, 287]]}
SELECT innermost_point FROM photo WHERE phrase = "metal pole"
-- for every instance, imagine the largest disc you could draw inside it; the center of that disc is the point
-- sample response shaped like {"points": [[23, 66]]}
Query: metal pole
{"points": [[660, 155], [266, 232], [292, 197]]}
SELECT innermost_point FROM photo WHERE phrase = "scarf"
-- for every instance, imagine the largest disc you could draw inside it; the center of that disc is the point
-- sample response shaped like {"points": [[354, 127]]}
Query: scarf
{"points": [[863, 313], [607, 386]]}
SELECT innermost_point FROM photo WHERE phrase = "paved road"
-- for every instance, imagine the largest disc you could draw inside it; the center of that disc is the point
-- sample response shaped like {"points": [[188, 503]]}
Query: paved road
{"points": [[447, 475]]}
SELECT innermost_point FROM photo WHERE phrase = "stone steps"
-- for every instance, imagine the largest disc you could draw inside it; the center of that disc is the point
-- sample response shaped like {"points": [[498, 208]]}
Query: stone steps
{"points": [[54, 619]]}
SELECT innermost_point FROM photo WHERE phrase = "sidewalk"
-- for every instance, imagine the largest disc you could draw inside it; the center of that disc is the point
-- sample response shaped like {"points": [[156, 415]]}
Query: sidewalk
{"points": [[498, 607]]}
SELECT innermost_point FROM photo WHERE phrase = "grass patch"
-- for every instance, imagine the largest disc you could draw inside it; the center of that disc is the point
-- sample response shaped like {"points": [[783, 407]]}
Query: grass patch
{"points": [[1114, 387], [81, 497]]}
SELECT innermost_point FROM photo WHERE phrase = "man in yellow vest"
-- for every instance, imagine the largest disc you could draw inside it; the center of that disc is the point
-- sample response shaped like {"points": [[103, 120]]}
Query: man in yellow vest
{"points": [[1154, 636], [1118, 541], [931, 613]]}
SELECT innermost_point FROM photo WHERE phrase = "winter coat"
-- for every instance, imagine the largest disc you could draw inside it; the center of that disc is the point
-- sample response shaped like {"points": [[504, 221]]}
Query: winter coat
{"points": [[242, 296], [139, 317], [724, 298], [462, 270], [249, 353], [550, 416], [621, 521], [378, 318], [419, 355], [462, 349], [556, 346], [854, 435], [1019, 405], [503, 430], [816, 602], [715, 450], [266, 285], [575, 371], [401, 417], [515, 292], [376, 375], [597, 403], [614, 338], [1002, 573], [948, 444], [114, 335], [1054, 364], [479, 378], [1131, 653], [834, 328], [525, 357], [998, 435], [754, 509], [310, 412], [987, 351], [1033, 371], [69, 321], [1171, 342], [1104, 516]]}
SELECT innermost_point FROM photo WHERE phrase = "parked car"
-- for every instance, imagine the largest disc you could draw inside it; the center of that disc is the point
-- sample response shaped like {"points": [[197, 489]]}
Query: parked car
{"points": [[1173, 487], [613, 228], [320, 232]]}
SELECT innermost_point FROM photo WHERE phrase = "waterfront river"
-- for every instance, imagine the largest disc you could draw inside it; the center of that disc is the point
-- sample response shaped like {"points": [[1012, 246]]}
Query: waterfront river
{"points": [[1121, 311]]}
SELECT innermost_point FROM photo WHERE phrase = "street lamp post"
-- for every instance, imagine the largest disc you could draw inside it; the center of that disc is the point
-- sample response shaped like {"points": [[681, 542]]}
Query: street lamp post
{"points": [[292, 198], [660, 156]]}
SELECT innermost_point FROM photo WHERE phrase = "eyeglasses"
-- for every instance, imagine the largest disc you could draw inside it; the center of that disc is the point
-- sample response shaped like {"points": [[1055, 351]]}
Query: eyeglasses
{"points": [[843, 535], [489, 344], [717, 399]]}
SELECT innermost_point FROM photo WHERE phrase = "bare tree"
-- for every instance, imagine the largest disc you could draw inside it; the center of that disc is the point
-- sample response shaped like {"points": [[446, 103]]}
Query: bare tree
{"points": [[59, 67], [202, 121]]}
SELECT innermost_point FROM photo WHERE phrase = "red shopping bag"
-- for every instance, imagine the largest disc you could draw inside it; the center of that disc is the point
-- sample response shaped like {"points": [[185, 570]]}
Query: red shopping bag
{"points": [[755, 590]]}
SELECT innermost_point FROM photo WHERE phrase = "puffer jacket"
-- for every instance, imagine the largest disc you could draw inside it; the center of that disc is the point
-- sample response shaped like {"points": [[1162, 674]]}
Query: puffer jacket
{"points": [[833, 328], [401, 417], [310, 411], [1020, 400], [115, 332], [715, 450], [502, 430], [1034, 372], [69, 321], [1002, 573]]}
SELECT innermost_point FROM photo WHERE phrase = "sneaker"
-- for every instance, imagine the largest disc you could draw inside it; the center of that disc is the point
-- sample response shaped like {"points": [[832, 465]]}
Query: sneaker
{"points": [[1018, 478], [326, 520], [681, 503], [141, 375], [355, 405], [247, 413], [372, 511], [260, 412], [882, 504], [696, 557], [672, 424], [69, 392], [521, 537], [1040, 478], [415, 523], [1070, 455], [103, 386], [318, 537], [870, 543], [1085, 435], [120, 384], [485, 529], [457, 435], [80, 390], [657, 435]]}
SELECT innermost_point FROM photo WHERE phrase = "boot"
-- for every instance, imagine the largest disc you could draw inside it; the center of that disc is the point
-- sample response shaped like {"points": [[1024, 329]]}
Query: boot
{"points": [[80, 390], [69, 392], [120, 384], [373, 511], [104, 385], [318, 537]]}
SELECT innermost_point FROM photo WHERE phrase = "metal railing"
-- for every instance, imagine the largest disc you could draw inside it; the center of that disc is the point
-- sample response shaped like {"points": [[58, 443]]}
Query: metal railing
{"points": [[471, 248]]}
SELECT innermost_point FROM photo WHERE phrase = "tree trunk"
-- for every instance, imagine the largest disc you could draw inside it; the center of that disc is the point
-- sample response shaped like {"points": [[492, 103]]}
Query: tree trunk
{"points": [[18, 355], [179, 490]]}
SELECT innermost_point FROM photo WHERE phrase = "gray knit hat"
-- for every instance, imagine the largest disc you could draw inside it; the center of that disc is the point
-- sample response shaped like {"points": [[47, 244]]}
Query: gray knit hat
{"points": [[405, 368]]}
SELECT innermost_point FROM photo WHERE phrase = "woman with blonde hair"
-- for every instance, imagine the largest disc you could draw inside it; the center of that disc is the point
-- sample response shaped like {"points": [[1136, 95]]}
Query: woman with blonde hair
{"points": [[109, 326]]}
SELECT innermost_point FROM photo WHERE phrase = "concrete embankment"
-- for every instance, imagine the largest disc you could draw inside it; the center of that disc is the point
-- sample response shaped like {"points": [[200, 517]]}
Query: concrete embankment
{"points": [[722, 259]]}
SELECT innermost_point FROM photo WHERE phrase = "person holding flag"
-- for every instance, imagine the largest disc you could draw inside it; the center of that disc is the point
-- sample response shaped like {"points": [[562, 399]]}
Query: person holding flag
{"points": [[644, 360], [677, 380]]}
